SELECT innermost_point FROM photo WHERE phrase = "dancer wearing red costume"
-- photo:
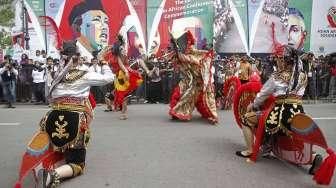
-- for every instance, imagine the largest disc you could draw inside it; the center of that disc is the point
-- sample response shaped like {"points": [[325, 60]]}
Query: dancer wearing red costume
{"points": [[127, 79], [196, 89]]}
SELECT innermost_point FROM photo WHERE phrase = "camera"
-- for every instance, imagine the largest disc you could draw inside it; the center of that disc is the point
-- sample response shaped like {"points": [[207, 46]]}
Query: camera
{"points": [[55, 61]]}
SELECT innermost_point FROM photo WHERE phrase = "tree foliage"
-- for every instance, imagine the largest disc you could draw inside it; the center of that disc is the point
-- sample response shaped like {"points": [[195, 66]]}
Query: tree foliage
{"points": [[6, 19], [5, 39], [6, 13]]}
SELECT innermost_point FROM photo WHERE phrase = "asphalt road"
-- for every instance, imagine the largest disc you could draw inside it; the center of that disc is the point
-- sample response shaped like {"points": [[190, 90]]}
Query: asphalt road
{"points": [[150, 151]]}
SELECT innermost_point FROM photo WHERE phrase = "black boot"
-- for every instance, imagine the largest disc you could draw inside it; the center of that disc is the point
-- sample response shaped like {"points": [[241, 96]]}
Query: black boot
{"points": [[316, 164]]}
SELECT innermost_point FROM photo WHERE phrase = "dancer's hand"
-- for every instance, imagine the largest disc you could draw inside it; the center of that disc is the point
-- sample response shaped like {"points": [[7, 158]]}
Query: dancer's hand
{"points": [[249, 107]]}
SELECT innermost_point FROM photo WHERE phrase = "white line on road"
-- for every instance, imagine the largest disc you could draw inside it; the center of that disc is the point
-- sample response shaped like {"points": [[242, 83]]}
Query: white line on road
{"points": [[10, 124], [30, 109], [324, 118]]}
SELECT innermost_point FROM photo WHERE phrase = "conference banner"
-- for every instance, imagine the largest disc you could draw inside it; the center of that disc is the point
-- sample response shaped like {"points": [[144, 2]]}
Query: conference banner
{"points": [[177, 17], [323, 31]]}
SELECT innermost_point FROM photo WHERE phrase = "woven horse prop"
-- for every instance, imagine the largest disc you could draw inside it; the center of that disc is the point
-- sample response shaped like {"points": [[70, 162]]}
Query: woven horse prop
{"points": [[296, 148]]}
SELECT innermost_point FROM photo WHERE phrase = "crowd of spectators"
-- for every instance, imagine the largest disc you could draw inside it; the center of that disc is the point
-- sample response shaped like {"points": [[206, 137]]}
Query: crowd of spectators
{"points": [[321, 72], [28, 80]]}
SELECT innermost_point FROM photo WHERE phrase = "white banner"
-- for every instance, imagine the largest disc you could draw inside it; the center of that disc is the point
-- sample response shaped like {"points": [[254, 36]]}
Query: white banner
{"points": [[323, 31]]}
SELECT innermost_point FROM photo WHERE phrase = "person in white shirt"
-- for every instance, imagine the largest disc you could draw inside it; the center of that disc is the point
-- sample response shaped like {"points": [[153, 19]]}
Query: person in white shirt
{"points": [[95, 67], [68, 122], [39, 77], [81, 65], [97, 91]]}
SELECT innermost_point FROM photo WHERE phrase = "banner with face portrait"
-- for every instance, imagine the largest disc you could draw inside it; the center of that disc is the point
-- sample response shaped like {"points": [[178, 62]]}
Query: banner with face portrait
{"points": [[93, 23], [323, 31], [299, 24], [96, 24], [263, 25]]}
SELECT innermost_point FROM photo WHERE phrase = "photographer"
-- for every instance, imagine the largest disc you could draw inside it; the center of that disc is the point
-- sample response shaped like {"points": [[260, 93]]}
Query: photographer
{"points": [[8, 76], [25, 80]]}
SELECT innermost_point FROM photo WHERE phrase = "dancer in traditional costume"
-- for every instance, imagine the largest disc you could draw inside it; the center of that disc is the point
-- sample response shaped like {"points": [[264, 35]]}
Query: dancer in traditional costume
{"points": [[127, 79], [287, 86], [195, 89], [67, 123]]}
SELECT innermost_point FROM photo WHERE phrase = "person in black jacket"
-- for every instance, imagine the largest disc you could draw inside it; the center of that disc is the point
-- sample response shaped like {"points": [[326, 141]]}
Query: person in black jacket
{"points": [[8, 76]]}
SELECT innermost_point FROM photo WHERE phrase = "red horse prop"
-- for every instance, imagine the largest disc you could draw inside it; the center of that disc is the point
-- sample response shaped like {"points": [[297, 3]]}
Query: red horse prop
{"points": [[230, 88]]}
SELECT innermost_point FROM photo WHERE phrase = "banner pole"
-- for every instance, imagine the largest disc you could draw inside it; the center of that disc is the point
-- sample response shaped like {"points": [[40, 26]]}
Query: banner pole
{"points": [[45, 27], [248, 27]]}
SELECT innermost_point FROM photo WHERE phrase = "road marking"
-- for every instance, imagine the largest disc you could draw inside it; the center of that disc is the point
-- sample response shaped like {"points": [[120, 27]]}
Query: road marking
{"points": [[325, 118], [10, 124], [30, 109]]}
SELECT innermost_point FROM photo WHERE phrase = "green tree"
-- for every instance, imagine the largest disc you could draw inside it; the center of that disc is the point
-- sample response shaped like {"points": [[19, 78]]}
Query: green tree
{"points": [[6, 17], [5, 39], [6, 20]]}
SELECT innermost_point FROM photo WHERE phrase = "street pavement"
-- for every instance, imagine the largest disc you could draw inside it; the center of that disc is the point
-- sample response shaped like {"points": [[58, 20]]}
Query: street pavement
{"points": [[151, 151]]}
